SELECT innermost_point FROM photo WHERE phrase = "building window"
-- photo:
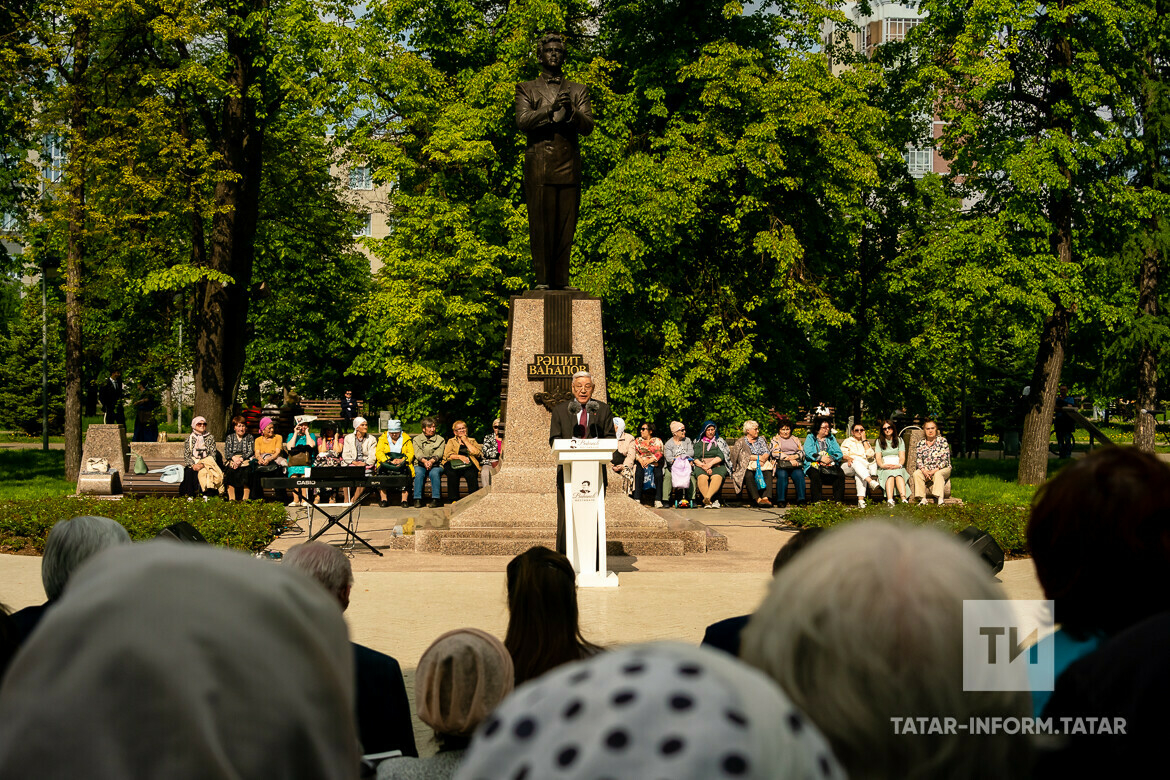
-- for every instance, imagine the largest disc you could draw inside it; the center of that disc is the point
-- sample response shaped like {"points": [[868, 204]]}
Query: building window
{"points": [[7, 223], [55, 157], [364, 226], [361, 178], [919, 161], [896, 29]]}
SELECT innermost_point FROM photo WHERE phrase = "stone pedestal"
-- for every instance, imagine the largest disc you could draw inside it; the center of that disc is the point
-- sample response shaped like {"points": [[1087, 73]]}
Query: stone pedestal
{"points": [[106, 441]]}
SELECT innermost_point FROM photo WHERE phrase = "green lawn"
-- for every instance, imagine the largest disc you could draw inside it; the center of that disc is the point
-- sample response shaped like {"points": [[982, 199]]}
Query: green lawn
{"points": [[33, 474], [993, 481]]}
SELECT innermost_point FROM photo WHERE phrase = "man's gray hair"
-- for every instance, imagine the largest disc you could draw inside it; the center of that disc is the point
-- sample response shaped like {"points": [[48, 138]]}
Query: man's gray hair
{"points": [[867, 625], [324, 563], [585, 374], [429, 421], [70, 543]]}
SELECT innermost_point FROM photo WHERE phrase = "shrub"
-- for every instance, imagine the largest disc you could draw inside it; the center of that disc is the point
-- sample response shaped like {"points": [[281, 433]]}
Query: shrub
{"points": [[1003, 523], [24, 525]]}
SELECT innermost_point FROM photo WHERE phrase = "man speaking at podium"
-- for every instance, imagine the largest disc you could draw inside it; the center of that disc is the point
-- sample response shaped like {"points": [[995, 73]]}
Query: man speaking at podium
{"points": [[581, 418]]}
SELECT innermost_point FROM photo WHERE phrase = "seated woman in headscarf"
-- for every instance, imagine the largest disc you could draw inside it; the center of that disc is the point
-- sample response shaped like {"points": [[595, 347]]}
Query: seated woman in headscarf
{"points": [[162, 644], [395, 458], [199, 453], [663, 709], [710, 468], [268, 448], [461, 678]]}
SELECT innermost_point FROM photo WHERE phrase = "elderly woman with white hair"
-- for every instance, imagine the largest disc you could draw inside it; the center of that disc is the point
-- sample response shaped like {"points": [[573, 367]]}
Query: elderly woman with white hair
{"points": [[677, 447], [865, 627], [751, 464], [359, 449], [186, 662], [462, 677], [70, 543]]}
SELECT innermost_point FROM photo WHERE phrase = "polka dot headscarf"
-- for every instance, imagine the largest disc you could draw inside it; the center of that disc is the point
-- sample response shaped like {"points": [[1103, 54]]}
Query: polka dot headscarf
{"points": [[662, 711]]}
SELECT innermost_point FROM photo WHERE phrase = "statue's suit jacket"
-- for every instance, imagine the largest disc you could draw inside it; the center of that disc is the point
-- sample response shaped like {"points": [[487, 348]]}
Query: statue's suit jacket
{"points": [[553, 153]]}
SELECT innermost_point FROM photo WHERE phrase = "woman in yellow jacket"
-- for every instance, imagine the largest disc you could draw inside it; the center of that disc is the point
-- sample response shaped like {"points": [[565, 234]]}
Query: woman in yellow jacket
{"points": [[461, 460], [395, 457]]}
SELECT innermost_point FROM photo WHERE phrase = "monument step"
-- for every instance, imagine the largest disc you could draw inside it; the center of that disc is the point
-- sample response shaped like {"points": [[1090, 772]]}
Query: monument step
{"points": [[488, 546], [625, 539], [535, 522]]}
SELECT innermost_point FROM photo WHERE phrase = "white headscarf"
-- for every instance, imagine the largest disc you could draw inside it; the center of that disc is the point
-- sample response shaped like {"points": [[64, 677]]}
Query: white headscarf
{"points": [[655, 710], [183, 661]]}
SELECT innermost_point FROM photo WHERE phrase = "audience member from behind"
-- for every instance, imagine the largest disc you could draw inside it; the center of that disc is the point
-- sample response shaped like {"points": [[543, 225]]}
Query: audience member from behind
{"points": [[70, 543], [543, 631], [867, 625], [462, 677], [1127, 682], [182, 661], [1099, 534], [650, 711], [383, 710], [725, 635]]}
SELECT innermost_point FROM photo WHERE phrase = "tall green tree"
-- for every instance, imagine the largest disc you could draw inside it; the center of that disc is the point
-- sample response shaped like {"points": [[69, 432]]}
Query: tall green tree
{"points": [[1022, 89]]}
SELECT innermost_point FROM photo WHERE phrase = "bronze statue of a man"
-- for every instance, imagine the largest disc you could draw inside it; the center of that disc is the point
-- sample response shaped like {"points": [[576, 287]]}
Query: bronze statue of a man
{"points": [[554, 113]]}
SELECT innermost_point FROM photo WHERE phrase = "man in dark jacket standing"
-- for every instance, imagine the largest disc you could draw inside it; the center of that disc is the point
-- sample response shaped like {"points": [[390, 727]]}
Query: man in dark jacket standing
{"points": [[581, 418], [111, 396], [553, 113]]}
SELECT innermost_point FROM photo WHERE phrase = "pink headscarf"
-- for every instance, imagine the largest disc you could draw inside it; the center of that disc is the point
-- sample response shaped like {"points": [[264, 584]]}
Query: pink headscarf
{"points": [[265, 422]]}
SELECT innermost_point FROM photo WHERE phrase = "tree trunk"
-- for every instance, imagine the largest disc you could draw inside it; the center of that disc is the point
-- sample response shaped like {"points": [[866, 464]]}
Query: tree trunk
{"points": [[1144, 425], [75, 172], [1042, 401], [1153, 124], [221, 313], [1054, 337]]}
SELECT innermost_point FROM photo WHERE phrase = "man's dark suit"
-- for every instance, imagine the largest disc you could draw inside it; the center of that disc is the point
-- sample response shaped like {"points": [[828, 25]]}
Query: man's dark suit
{"points": [[383, 711], [725, 634], [552, 172], [563, 426], [111, 397]]}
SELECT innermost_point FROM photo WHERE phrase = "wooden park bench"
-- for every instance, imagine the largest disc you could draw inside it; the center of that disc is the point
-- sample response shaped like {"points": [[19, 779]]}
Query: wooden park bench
{"points": [[156, 456], [328, 409]]}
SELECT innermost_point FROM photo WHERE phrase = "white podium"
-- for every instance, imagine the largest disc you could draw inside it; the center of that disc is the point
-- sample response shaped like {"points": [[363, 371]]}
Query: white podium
{"points": [[582, 460]]}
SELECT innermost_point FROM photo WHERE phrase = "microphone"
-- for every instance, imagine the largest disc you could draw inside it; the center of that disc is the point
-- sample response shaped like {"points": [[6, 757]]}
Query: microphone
{"points": [[593, 407], [575, 409], [575, 406]]}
